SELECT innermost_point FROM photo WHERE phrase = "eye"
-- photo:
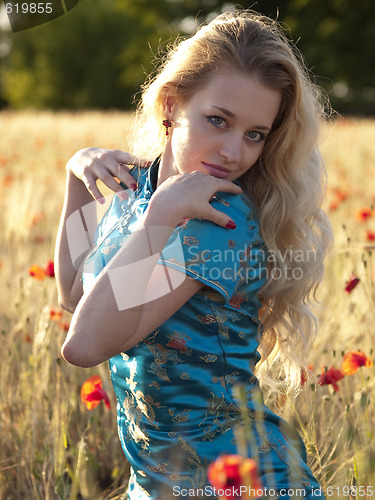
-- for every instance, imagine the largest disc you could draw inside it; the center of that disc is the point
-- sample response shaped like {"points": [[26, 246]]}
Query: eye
{"points": [[217, 121], [255, 136]]}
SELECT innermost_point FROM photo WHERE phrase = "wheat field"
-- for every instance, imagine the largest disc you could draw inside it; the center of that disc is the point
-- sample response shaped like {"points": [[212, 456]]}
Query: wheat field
{"points": [[51, 446]]}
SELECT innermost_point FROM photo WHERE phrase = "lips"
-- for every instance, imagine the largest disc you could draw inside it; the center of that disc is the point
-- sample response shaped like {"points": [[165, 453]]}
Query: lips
{"points": [[216, 170]]}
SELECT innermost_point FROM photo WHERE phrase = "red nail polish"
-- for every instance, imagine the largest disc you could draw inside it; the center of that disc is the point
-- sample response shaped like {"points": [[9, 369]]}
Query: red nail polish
{"points": [[231, 225], [134, 186]]}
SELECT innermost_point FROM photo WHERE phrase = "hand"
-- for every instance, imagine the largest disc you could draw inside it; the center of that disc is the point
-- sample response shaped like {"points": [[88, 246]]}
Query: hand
{"points": [[93, 164], [189, 195]]}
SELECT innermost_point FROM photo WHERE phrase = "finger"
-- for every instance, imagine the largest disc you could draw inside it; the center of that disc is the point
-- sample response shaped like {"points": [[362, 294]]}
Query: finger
{"points": [[129, 159], [114, 186], [105, 171], [220, 218], [125, 176], [229, 186], [119, 170], [92, 188]]}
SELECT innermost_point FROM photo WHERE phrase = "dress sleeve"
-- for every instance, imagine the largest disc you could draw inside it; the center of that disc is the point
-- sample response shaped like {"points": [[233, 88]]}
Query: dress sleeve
{"points": [[223, 259]]}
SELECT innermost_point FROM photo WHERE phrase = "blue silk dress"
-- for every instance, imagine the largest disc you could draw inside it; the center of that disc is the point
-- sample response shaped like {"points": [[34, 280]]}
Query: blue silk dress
{"points": [[177, 411]]}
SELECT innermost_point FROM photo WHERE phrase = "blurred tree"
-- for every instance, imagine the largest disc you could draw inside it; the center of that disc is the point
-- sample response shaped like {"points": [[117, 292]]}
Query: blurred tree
{"points": [[337, 39], [98, 54], [93, 57]]}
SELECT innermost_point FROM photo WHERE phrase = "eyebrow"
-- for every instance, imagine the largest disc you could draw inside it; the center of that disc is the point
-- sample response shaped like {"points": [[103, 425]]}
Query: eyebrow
{"points": [[232, 115]]}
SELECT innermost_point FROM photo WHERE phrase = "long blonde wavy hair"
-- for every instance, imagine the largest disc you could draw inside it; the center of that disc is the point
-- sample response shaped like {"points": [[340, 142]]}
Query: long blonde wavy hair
{"points": [[286, 184]]}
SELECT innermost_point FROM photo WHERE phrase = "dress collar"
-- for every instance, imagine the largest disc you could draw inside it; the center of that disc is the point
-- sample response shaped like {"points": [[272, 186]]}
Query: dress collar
{"points": [[152, 178]]}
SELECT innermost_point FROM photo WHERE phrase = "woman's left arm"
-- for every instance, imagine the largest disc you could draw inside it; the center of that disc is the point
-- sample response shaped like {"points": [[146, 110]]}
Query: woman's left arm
{"points": [[133, 295]]}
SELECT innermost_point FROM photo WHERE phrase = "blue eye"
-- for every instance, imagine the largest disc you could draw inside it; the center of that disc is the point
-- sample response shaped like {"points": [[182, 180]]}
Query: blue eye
{"points": [[255, 136], [216, 121]]}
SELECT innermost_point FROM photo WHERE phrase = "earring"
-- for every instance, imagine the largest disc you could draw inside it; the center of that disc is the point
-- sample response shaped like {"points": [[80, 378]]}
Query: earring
{"points": [[167, 124]]}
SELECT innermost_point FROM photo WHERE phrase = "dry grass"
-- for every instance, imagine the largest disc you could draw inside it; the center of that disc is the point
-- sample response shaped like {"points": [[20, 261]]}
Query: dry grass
{"points": [[50, 445]]}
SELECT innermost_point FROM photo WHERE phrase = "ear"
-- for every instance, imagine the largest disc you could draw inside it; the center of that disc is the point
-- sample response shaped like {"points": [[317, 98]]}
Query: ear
{"points": [[170, 103]]}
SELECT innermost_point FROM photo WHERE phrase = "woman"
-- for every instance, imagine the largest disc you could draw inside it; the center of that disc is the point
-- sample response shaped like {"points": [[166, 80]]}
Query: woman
{"points": [[227, 219]]}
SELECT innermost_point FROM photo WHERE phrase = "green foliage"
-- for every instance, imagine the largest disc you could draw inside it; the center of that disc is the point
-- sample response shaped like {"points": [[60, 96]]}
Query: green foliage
{"points": [[98, 54], [336, 38], [93, 57]]}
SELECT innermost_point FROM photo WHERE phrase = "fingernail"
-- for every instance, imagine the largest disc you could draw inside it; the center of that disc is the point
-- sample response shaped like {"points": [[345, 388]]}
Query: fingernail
{"points": [[101, 200], [134, 186], [231, 225]]}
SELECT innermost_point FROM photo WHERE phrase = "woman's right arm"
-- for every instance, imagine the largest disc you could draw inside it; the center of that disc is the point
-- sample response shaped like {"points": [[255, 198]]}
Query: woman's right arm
{"points": [[83, 170]]}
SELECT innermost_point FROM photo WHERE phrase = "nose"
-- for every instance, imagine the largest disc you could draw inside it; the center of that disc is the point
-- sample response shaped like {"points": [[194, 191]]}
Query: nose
{"points": [[231, 147]]}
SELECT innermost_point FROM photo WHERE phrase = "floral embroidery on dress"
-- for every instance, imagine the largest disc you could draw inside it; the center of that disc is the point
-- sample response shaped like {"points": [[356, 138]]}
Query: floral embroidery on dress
{"points": [[199, 258], [228, 379], [209, 358], [195, 357], [178, 341], [161, 356], [190, 240], [136, 405], [133, 415], [237, 300], [158, 468], [151, 337], [108, 249], [222, 414], [197, 467], [211, 318], [181, 417], [183, 221], [223, 202]]}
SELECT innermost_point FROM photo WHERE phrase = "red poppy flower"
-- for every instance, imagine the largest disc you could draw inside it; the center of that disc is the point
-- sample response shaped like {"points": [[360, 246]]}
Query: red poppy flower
{"points": [[55, 314], [37, 272], [353, 361], [27, 338], [36, 218], [370, 235], [352, 283], [334, 204], [338, 197], [39, 142], [340, 194], [92, 393], [64, 325], [40, 273], [38, 239], [50, 269], [363, 214], [331, 376], [230, 472]]}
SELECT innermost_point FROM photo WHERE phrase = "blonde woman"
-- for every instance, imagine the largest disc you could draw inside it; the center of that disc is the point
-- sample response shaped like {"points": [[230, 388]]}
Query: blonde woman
{"points": [[202, 277]]}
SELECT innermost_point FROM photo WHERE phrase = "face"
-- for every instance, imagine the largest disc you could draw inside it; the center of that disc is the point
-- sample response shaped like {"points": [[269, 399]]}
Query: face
{"points": [[222, 129]]}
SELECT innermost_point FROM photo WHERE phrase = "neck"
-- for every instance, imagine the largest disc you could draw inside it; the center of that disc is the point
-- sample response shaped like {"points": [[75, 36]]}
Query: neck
{"points": [[166, 168]]}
